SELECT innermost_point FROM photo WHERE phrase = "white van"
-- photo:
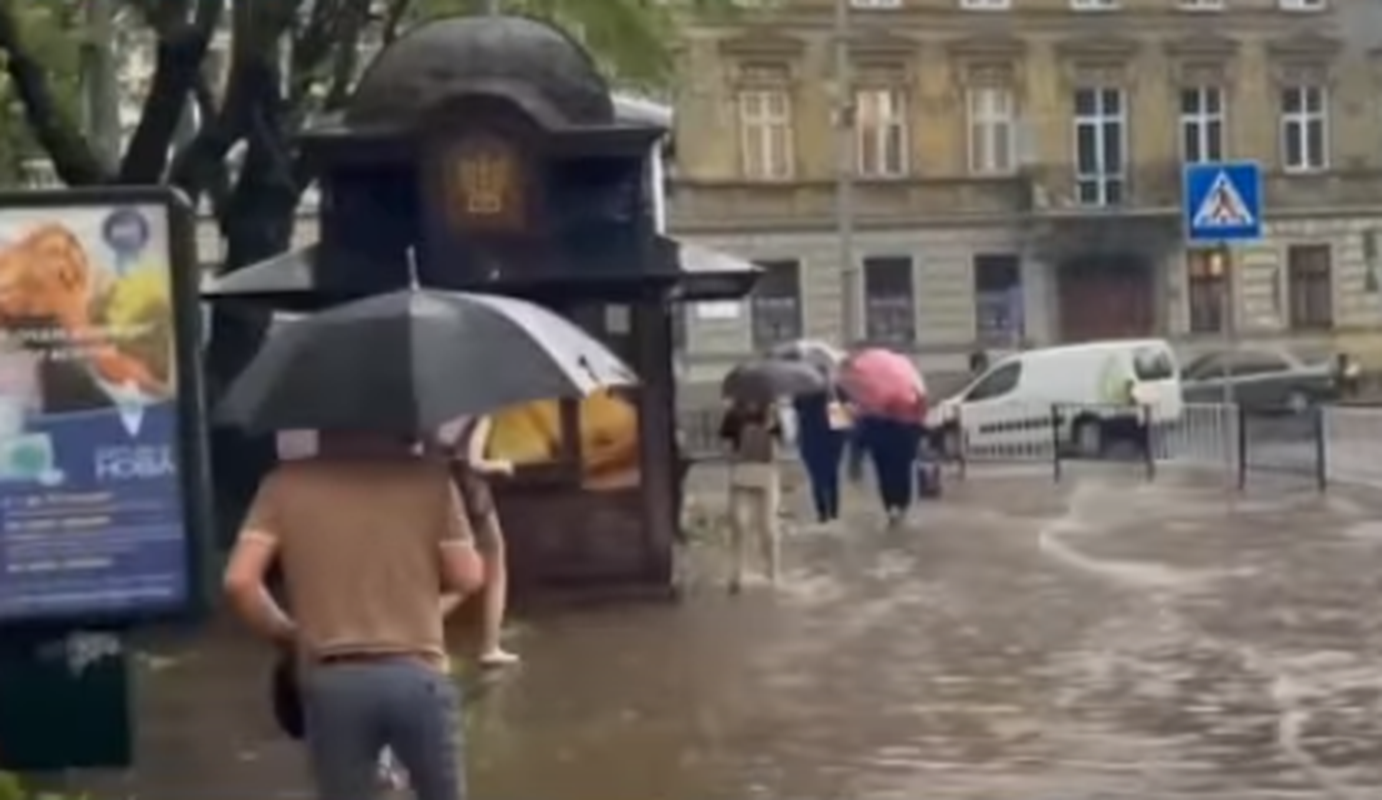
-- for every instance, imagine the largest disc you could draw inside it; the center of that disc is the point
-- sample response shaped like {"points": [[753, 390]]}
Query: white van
{"points": [[1098, 387]]}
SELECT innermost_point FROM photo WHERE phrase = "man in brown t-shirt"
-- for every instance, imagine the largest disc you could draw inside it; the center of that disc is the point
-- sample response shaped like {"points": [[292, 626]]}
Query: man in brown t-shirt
{"points": [[368, 536]]}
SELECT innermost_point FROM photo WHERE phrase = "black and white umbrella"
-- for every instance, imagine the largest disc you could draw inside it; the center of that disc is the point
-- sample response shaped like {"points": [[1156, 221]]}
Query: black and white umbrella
{"points": [[413, 360]]}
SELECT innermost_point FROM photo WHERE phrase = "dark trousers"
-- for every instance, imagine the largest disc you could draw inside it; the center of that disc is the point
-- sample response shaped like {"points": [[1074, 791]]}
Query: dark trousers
{"points": [[855, 453], [357, 708], [892, 445], [821, 452]]}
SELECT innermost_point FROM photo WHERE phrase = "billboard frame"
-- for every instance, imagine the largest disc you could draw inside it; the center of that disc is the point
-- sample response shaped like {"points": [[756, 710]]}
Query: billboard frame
{"points": [[194, 474]]}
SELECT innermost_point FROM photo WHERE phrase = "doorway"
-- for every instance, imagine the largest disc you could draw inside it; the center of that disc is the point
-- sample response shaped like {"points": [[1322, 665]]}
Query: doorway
{"points": [[1108, 297]]}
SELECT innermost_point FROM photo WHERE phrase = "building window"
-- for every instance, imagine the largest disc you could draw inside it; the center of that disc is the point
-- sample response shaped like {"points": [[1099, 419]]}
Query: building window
{"points": [[775, 305], [1100, 146], [992, 142], [985, 5], [765, 134], [998, 317], [1309, 287], [1207, 290], [1304, 128], [1094, 5], [889, 300], [1202, 124], [880, 123]]}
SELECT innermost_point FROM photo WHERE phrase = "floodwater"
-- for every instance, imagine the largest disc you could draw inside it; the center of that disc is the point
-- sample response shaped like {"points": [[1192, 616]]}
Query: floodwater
{"points": [[1099, 640]]}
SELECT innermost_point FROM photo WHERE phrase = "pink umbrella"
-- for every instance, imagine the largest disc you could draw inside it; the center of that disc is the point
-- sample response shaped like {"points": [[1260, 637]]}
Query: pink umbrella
{"points": [[884, 383]]}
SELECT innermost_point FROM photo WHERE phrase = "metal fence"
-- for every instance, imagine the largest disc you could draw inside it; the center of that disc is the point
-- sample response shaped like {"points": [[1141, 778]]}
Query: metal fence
{"points": [[1333, 443], [1352, 443]]}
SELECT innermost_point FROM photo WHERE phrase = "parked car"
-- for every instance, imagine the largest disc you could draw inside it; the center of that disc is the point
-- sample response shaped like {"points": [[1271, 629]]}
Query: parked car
{"points": [[1262, 378]]}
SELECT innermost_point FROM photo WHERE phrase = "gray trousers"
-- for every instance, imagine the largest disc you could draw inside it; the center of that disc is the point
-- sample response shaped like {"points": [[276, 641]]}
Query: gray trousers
{"points": [[357, 708]]}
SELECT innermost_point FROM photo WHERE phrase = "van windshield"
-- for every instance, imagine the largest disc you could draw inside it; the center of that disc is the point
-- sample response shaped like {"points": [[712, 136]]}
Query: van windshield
{"points": [[1153, 364]]}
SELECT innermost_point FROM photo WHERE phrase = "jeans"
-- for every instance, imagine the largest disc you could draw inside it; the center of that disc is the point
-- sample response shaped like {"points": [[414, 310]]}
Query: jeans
{"points": [[892, 445], [357, 708], [821, 452]]}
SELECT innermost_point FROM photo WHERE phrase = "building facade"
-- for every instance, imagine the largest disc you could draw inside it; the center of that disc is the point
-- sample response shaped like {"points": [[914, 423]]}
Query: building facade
{"points": [[1017, 168]]}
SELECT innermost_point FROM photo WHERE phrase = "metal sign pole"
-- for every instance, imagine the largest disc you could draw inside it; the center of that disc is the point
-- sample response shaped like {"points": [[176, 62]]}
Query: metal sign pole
{"points": [[844, 180], [1225, 257]]}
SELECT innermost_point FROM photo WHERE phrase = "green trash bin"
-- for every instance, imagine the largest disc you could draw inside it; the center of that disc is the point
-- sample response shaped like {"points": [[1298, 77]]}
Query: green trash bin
{"points": [[64, 702]]}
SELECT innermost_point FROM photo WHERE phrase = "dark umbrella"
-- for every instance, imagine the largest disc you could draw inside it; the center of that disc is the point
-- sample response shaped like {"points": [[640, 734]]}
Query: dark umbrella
{"points": [[411, 361], [767, 380]]}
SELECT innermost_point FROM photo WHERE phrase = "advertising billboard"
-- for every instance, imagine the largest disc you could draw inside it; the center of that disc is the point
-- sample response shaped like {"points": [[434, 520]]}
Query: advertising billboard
{"points": [[103, 505]]}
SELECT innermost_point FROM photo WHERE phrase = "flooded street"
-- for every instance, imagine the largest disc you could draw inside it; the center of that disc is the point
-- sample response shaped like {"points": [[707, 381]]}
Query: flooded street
{"points": [[1103, 639]]}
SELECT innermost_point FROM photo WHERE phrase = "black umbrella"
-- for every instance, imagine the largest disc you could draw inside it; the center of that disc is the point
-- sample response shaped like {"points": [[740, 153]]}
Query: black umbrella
{"points": [[766, 380], [411, 361]]}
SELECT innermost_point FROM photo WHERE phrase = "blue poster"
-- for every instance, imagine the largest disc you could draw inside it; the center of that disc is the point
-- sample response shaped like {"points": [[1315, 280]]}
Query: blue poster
{"points": [[92, 522]]}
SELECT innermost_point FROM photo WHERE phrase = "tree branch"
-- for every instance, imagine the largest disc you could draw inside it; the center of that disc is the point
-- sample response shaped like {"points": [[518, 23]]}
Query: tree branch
{"points": [[217, 186], [181, 49], [393, 19], [73, 158]]}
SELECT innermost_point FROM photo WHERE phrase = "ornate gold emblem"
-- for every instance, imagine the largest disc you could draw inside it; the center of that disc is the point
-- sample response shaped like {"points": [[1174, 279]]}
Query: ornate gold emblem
{"points": [[486, 184]]}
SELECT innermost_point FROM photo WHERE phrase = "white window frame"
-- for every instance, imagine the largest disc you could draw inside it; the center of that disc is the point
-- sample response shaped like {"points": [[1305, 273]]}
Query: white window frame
{"points": [[1094, 5], [1201, 122], [1297, 124], [757, 121], [1202, 5], [1103, 179], [985, 5], [875, 4], [1302, 5], [892, 121], [991, 109]]}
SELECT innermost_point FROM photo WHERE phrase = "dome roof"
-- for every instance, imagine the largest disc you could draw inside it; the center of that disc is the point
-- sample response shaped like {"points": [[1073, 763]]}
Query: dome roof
{"points": [[537, 64]]}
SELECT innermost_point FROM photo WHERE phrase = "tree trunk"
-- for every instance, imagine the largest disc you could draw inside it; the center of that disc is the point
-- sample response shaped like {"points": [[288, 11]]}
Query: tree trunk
{"points": [[257, 223]]}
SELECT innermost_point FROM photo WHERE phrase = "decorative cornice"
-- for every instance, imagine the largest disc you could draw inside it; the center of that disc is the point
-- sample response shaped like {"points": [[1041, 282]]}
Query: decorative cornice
{"points": [[1307, 45], [990, 46], [758, 41], [1202, 45], [1097, 48], [879, 43]]}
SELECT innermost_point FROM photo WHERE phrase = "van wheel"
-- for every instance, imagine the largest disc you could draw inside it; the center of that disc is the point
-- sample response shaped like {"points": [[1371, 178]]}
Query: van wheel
{"points": [[1088, 437]]}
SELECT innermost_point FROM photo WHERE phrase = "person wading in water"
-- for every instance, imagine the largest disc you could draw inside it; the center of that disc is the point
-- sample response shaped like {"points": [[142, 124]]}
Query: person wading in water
{"points": [[368, 536]]}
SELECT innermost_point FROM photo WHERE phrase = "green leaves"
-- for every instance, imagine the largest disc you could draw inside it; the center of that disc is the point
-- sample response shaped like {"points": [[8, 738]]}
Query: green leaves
{"points": [[634, 40]]}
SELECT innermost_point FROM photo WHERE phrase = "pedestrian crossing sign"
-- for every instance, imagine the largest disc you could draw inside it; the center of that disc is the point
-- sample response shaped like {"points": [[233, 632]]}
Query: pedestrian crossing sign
{"points": [[1223, 202]]}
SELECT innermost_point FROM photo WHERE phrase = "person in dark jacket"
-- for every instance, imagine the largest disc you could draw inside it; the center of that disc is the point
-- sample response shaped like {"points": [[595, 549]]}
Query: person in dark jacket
{"points": [[822, 431]]}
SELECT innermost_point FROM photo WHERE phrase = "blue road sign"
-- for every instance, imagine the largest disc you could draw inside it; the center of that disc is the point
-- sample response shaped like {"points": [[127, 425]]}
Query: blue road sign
{"points": [[1223, 202]]}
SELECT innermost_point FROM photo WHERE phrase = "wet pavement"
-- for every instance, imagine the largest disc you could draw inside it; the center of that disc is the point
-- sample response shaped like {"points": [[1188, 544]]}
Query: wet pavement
{"points": [[1106, 638]]}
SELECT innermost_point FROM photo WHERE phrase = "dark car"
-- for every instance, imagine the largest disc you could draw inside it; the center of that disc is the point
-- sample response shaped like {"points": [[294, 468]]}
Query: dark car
{"points": [[1261, 378]]}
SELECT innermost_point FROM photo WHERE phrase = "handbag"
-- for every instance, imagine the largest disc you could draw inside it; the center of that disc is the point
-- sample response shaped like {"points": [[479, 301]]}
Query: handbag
{"points": [[838, 416], [286, 696]]}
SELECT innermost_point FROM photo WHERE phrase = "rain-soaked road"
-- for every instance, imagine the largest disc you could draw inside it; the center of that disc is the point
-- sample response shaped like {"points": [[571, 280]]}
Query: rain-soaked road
{"points": [[1100, 640]]}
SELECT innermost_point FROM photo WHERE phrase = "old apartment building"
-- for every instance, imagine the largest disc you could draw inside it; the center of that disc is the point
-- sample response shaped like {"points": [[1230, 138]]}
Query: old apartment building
{"points": [[1017, 169]]}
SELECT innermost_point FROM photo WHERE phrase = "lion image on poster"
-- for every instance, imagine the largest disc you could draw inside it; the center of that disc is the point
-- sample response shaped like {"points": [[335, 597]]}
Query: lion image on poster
{"points": [[99, 336]]}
